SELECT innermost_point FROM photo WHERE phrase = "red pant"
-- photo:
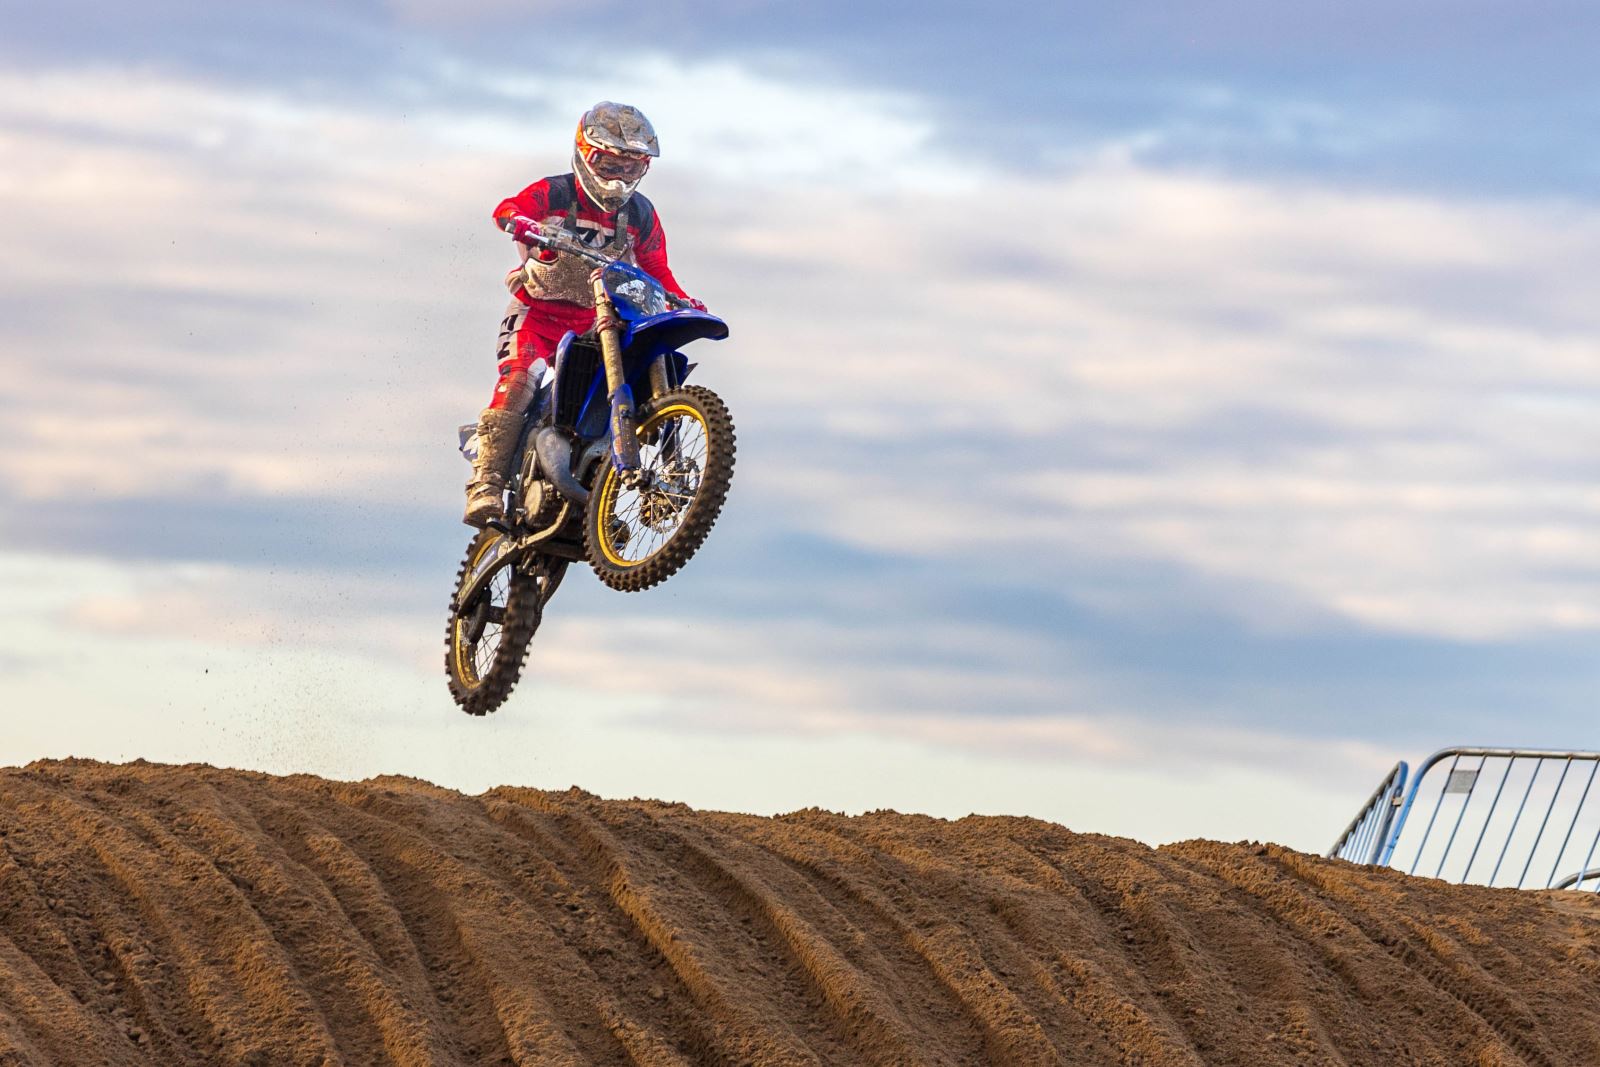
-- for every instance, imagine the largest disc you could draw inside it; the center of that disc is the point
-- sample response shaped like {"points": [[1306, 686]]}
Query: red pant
{"points": [[528, 335]]}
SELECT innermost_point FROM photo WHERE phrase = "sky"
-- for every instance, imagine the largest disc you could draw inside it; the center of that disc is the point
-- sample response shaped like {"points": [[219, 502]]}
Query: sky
{"points": [[1156, 420]]}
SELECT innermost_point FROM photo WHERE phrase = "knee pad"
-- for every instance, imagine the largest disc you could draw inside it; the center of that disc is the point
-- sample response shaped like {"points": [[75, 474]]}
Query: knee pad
{"points": [[514, 392]]}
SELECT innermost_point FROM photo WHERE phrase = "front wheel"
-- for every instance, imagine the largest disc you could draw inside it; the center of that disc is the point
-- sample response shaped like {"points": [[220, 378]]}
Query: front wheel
{"points": [[638, 533]]}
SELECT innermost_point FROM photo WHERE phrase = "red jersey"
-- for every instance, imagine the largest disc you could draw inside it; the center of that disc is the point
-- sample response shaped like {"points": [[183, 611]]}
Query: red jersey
{"points": [[559, 203]]}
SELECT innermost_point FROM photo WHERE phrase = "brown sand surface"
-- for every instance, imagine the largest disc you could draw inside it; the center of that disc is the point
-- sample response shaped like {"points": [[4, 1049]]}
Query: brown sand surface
{"points": [[187, 915]]}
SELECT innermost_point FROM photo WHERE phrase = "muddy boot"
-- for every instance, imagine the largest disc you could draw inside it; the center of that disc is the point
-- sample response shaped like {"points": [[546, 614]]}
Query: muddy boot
{"points": [[498, 430]]}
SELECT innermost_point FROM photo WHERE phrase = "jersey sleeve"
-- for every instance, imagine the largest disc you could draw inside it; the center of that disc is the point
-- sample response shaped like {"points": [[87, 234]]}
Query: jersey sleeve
{"points": [[534, 202], [652, 253]]}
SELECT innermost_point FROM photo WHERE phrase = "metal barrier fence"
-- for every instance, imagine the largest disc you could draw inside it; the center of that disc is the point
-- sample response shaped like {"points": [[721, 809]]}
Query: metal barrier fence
{"points": [[1576, 881], [1363, 840], [1494, 816]]}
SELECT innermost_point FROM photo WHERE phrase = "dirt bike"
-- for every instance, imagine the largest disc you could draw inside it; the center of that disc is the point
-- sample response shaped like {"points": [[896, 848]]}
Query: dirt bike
{"points": [[620, 465]]}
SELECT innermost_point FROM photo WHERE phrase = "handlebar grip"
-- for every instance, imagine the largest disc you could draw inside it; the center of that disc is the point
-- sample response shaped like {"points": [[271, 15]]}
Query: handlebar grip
{"points": [[532, 236]]}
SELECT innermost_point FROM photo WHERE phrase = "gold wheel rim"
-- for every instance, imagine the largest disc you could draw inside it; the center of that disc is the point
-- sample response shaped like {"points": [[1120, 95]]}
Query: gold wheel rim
{"points": [[611, 487]]}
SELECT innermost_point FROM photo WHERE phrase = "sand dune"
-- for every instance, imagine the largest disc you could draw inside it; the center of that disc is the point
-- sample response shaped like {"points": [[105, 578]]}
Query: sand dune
{"points": [[188, 915]]}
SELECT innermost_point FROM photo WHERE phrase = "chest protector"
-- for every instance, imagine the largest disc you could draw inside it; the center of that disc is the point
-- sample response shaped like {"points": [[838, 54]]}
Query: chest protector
{"points": [[568, 277]]}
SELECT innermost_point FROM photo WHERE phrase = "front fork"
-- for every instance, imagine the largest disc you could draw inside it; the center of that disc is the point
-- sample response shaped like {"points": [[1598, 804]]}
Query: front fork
{"points": [[624, 422]]}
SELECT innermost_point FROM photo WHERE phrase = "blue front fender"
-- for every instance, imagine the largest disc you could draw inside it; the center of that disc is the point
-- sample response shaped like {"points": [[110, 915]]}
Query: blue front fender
{"points": [[674, 329]]}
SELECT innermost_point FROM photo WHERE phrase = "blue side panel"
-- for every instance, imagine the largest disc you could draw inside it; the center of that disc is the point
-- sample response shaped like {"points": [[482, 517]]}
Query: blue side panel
{"points": [[560, 365], [564, 344]]}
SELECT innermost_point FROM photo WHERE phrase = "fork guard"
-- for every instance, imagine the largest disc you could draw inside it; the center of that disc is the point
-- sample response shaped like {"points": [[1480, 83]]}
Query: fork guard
{"points": [[624, 430]]}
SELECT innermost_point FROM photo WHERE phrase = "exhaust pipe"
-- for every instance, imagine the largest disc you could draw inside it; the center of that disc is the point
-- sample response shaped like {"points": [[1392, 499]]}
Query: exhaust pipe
{"points": [[554, 450]]}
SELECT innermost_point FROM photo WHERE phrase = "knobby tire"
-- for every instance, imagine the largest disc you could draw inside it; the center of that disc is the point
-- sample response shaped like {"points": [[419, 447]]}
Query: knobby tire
{"points": [[523, 610], [700, 514]]}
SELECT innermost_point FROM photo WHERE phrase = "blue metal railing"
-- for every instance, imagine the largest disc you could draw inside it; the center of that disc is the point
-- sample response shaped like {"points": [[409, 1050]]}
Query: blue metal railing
{"points": [[1576, 880], [1495, 816], [1368, 832]]}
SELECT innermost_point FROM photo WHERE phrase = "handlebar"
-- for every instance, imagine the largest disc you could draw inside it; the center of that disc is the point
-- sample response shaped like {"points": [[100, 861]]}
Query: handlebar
{"points": [[561, 241]]}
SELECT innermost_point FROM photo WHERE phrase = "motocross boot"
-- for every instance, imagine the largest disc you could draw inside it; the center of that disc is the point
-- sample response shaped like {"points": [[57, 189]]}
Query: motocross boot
{"points": [[498, 430]]}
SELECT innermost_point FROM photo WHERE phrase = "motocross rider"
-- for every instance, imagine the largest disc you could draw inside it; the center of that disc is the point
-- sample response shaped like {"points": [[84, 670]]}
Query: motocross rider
{"points": [[551, 293]]}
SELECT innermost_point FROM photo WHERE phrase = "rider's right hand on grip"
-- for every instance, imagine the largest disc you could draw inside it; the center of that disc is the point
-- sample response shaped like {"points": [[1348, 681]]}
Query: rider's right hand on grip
{"points": [[524, 230]]}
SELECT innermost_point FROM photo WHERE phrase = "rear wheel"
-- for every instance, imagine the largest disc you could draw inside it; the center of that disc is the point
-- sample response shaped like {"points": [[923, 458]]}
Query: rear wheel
{"points": [[638, 534], [487, 638]]}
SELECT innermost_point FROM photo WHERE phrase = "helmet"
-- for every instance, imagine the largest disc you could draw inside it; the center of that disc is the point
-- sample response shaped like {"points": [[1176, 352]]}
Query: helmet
{"points": [[612, 151]]}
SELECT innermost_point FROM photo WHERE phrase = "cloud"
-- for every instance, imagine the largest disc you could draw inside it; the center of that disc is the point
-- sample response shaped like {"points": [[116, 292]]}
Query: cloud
{"points": [[1239, 86], [1047, 470], [1270, 383]]}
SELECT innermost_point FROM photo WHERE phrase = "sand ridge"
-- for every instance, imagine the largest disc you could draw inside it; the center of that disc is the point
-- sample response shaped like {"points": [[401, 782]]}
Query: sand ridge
{"points": [[188, 915]]}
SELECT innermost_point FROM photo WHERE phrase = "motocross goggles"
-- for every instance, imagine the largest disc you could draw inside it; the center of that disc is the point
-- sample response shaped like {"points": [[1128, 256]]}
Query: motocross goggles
{"points": [[609, 160], [615, 166]]}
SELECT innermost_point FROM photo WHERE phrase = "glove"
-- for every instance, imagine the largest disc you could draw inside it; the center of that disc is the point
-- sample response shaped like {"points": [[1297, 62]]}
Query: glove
{"points": [[523, 229], [692, 302]]}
